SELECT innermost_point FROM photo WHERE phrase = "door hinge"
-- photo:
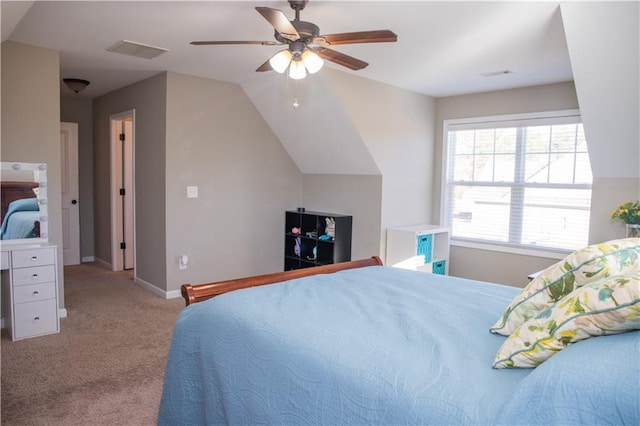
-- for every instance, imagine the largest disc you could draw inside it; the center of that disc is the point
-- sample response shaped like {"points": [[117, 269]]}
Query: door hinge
{"points": [[121, 191], [123, 246], [122, 137]]}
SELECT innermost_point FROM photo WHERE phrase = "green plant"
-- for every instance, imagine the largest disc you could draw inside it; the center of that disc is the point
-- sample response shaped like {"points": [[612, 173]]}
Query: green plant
{"points": [[628, 212]]}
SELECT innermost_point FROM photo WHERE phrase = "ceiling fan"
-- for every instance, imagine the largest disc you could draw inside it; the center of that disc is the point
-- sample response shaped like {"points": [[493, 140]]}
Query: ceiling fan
{"points": [[306, 46]]}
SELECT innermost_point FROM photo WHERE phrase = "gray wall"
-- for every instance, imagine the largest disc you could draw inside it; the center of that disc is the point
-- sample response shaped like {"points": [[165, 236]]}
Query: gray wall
{"points": [[31, 123], [357, 195], [148, 99], [79, 110], [217, 140]]}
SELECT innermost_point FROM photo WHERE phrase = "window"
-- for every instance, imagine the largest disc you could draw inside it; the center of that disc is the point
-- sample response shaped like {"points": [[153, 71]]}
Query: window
{"points": [[518, 180]]}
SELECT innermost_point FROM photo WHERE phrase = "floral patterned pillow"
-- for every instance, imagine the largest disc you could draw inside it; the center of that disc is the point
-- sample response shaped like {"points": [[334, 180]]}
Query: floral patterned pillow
{"points": [[579, 268], [608, 306]]}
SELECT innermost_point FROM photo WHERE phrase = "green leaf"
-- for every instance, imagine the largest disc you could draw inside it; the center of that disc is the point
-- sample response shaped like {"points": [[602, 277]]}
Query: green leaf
{"points": [[562, 287], [592, 274]]}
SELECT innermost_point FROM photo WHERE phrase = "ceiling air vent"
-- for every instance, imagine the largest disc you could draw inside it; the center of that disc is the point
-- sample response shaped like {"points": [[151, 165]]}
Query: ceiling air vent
{"points": [[138, 50]]}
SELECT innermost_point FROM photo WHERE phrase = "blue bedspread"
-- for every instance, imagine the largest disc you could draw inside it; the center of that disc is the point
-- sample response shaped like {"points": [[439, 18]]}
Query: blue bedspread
{"points": [[375, 345], [19, 222]]}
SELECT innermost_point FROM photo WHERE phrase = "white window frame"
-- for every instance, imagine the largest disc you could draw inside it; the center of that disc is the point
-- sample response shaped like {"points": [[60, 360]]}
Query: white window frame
{"points": [[490, 122]]}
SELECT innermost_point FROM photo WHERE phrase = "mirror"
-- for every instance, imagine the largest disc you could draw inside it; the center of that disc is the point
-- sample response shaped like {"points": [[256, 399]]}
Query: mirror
{"points": [[24, 202]]}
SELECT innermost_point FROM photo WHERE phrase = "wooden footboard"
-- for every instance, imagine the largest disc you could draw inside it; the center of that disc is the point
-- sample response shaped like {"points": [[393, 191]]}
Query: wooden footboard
{"points": [[200, 292]]}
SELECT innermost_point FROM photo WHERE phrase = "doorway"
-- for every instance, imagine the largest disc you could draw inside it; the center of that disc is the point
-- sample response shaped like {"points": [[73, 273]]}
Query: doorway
{"points": [[122, 191]]}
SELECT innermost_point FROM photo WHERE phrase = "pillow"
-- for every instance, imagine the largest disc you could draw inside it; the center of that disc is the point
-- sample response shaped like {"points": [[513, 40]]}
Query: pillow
{"points": [[607, 306], [588, 264]]}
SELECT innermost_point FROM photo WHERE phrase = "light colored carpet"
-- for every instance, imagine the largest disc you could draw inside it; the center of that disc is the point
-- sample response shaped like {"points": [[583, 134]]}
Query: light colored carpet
{"points": [[106, 365]]}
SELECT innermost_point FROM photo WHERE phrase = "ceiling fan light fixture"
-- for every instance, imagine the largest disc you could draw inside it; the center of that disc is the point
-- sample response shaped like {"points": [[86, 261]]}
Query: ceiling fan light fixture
{"points": [[297, 70], [280, 61], [312, 61]]}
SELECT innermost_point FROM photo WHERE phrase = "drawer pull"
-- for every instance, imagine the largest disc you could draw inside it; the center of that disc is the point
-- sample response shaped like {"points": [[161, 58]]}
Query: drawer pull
{"points": [[37, 319], [34, 276], [35, 293], [34, 258]]}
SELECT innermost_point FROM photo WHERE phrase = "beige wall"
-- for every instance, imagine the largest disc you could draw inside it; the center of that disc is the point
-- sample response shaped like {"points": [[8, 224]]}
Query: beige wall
{"points": [[148, 99], [31, 123], [359, 196], [217, 140], [74, 109], [397, 127]]}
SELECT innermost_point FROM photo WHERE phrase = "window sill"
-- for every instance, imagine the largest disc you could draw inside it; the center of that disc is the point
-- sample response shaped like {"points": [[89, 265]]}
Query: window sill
{"points": [[512, 249]]}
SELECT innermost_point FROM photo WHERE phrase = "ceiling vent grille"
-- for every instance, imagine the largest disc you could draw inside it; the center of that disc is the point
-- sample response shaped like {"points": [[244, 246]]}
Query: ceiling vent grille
{"points": [[138, 50]]}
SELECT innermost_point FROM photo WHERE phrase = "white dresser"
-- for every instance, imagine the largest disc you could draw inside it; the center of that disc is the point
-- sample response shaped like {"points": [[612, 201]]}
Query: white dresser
{"points": [[30, 290]]}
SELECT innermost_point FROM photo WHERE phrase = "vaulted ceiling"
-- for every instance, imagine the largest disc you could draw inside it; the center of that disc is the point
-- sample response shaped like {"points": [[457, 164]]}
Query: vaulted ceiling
{"points": [[443, 48]]}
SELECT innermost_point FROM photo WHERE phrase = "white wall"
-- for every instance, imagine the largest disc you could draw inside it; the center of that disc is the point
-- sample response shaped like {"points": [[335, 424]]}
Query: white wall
{"points": [[604, 47]]}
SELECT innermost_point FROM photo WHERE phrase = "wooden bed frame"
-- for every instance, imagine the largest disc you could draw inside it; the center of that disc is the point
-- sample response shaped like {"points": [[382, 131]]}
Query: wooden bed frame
{"points": [[199, 292]]}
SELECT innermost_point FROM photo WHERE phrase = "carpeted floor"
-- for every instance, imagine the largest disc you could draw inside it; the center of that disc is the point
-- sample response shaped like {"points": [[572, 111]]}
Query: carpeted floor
{"points": [[106, 365]]}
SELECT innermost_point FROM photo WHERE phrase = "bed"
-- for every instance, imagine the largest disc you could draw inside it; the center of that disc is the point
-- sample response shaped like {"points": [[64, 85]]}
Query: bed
{"points": [[20, 211], [362, 343]]}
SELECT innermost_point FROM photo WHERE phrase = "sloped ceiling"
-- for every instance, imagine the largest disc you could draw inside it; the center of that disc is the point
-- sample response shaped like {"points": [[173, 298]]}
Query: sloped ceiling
{"points": [[318, 134]]}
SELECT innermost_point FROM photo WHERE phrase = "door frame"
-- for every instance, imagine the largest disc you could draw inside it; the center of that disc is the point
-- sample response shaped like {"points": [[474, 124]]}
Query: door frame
{"points": [[117, 261]]}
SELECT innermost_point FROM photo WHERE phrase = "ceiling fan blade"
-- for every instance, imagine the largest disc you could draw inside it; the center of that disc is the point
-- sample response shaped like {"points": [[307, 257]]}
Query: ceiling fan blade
{"points": [[264, 67], [206, 43], [340, 58], [377, 36], [280, 22]]}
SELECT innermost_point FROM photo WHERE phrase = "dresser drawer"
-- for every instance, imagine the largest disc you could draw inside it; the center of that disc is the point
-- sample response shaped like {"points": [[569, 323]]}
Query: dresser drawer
{"points": [[35, 275], [34, 292], [34, 257], [35, 318]]}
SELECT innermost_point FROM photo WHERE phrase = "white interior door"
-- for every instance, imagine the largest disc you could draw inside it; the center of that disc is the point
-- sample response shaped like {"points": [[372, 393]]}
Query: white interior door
{"points": [[127, 209], [69, 184], [122, 190]]}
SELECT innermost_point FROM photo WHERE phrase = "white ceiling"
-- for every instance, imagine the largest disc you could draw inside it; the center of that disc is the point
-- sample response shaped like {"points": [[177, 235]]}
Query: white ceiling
{"points": [[443, 48]]}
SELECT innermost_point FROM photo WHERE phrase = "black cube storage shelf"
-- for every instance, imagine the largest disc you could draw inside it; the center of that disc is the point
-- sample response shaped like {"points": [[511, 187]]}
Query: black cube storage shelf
{"points": [[310, 246]]}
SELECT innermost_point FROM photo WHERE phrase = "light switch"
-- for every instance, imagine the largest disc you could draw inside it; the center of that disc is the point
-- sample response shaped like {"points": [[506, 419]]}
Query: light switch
{"points": [[192, 192]]}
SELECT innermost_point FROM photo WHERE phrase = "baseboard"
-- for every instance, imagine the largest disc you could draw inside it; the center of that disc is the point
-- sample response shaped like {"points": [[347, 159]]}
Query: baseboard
{"points": [[173, 294], [88, 259], [103, 263]]}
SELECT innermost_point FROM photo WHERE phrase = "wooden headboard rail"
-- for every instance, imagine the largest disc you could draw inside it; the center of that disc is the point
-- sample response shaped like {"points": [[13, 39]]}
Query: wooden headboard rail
{"points": [[199, 292]]}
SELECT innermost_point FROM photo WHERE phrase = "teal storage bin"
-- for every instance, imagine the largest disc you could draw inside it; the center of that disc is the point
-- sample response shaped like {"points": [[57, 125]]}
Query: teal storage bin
{"points": [[439, 267], [424, 243]]}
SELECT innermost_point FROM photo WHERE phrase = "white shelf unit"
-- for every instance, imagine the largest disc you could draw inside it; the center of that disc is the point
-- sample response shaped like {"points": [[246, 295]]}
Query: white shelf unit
{"points": [[419, 247]]}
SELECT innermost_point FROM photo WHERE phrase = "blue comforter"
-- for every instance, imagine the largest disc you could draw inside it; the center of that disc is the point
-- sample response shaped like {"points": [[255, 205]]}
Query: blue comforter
{"points": [[19, 222], [380, 345]]}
